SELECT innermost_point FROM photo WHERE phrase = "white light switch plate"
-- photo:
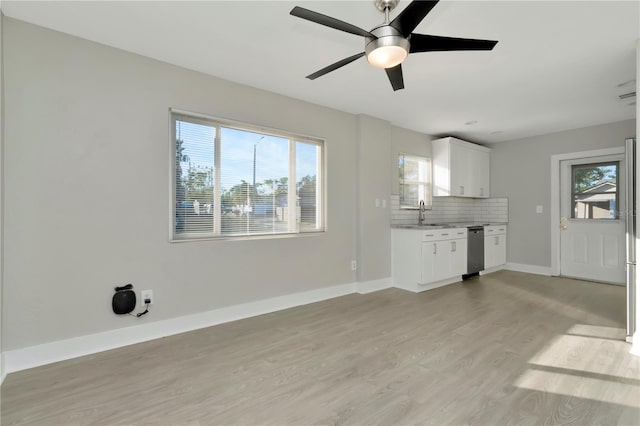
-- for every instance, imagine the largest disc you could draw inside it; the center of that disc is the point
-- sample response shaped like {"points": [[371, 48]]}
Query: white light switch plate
{"points": [[538, 209]]}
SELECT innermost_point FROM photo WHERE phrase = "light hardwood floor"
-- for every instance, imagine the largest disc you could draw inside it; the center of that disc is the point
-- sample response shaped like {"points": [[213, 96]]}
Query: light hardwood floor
{"points": [[505, 348]]}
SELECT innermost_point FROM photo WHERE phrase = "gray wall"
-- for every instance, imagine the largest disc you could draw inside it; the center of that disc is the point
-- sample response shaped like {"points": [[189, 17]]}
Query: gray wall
{"points": [[636, 337], [87, 191], [374, 232], [405, 141], [520, 170], [1, 186]]}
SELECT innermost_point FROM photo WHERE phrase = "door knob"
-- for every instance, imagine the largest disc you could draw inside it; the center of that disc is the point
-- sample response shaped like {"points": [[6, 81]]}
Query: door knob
{"points": [[563, 227]]}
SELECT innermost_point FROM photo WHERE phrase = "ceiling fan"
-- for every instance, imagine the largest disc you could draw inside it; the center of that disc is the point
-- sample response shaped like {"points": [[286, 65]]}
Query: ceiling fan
{"points": [[388, 44]]}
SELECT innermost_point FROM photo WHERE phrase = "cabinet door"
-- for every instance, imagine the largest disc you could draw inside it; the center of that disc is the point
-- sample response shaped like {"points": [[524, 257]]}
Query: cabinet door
{"points": [[458, 253], [429, 250], [459, 162], [501, 250], [483, 166], [495, 250], [442, 260], [489, 252]]}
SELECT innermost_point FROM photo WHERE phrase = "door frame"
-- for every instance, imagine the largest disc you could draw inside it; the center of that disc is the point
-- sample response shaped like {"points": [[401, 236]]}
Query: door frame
{"points": [[554, 211]]}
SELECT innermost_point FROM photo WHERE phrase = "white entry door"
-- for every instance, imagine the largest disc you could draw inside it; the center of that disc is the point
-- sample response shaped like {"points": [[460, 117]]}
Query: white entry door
{"points": [[592, 231]]}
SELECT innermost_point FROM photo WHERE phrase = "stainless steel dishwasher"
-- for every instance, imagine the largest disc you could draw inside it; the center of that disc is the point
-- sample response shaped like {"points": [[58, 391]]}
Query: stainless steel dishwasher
{"points": [[475, 251]]}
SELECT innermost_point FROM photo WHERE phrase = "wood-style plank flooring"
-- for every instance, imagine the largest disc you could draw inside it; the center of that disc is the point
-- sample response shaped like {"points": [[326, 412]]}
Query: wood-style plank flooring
{"points": [[504, 348]]}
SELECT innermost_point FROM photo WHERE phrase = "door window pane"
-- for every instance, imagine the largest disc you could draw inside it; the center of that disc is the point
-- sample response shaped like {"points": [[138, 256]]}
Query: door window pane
{"points": [[595, 191]]}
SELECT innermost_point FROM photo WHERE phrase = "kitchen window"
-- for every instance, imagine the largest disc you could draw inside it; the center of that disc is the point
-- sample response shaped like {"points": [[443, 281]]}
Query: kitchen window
{"points": [[415, 181], [235, 180]]}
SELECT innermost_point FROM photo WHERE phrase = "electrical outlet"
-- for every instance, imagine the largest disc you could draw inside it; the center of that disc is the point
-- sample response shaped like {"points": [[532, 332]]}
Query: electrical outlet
{"points": [[354, 265], [146, 295]]}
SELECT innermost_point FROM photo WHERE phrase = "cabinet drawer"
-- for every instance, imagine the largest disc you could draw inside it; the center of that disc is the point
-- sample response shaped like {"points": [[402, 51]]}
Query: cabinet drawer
{"points": [[453, 233], [444, 234], [495, 230], [429, 235]]}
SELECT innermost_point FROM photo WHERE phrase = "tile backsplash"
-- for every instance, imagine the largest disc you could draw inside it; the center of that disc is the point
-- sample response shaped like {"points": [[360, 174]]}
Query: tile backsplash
{"points": [[452, 209]]}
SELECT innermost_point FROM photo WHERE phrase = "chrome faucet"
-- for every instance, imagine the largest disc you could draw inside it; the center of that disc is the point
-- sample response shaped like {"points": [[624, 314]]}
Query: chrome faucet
{"points": [[421, 211]]}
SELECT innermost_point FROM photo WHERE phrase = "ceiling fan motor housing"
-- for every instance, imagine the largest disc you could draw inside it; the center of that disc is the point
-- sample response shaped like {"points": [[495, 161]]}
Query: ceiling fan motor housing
{"points": [[389, 42], [383, 5]]}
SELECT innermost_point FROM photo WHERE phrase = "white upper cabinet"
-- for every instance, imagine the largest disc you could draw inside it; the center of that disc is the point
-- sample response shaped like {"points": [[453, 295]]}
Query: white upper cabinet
{"points": [[460, 169]]}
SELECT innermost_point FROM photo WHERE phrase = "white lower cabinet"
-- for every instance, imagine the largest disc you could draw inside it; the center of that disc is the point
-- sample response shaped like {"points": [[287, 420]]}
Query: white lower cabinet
{"points": [[422, 258], [458, 257], [495, 246]]}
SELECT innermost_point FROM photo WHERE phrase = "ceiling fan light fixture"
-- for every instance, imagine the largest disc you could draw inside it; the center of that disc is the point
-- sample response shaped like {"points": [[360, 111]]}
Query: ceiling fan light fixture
{"points": [[387, 56], [388, 50]]}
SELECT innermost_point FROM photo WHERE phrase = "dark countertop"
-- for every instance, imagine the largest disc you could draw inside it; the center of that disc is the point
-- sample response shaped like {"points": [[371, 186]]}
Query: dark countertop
{"points": [[447, 225]]}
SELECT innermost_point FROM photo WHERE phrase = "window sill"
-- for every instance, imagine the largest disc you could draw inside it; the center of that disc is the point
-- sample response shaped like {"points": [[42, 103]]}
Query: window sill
{"points": [[246, 237]]}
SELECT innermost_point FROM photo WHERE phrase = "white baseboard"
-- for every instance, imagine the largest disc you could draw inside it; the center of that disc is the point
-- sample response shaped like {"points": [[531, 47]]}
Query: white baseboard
{"points": [[493, 269], [635, 347], [423, 287], [47, 353], [374, 285], [530, 269]]}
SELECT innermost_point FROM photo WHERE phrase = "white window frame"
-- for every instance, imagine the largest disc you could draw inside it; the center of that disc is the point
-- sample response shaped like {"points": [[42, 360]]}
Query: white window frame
{"points": [[428, 184], [293, 226]]}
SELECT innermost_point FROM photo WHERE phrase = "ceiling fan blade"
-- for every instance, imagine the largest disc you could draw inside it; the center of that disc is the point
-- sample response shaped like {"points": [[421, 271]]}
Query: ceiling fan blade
{"points": [[395, 77], [411, 16], [341, 63], [328, 21], [431, 43]]}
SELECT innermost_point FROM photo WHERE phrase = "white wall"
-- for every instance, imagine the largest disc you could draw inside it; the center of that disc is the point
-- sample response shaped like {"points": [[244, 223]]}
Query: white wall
{"points": [[520, 170], [87, 160]]}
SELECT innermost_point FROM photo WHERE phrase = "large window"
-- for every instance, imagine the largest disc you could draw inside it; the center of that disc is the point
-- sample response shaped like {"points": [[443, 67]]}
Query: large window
{"points": [[595, 191], [415, 181], [233, 180]]}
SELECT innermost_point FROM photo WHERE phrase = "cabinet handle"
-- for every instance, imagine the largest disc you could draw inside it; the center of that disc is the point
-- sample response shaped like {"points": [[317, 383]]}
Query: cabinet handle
{"points": [[496, 242], [435, 250], [461, 189], [453, 246], [481, 191]]}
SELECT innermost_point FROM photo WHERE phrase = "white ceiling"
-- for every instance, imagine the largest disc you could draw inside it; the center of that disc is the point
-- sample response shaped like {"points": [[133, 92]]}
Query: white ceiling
{"points": [[557, 65]]}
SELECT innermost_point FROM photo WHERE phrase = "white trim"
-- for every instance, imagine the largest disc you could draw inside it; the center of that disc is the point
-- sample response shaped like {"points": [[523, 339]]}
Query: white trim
{"points": [[374, 285], [431, 286], [34, 356], [554, 211], [635, 347], [529, 269], [4, 370], [493, 269]]}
